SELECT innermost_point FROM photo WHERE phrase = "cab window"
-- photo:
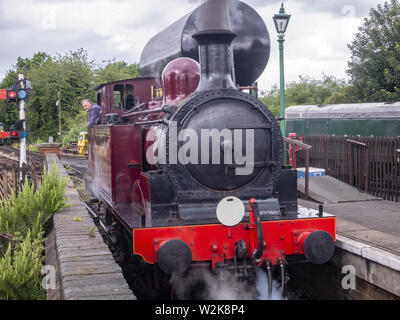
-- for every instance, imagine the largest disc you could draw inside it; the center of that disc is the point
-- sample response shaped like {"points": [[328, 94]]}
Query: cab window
{"points": [[118, 96], [124, 98], [99, 99]]}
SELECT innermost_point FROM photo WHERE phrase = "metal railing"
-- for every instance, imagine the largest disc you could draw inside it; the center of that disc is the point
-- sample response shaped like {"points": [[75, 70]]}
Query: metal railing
{"points": [[307, 149]]}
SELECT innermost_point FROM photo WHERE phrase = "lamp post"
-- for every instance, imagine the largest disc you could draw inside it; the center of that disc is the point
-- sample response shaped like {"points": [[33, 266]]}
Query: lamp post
{"points": [[281, 22]]}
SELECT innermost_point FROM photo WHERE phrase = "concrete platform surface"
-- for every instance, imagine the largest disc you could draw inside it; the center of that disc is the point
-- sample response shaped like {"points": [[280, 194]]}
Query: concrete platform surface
{"points": [[326, 189], [373, 222], [85, 267]]}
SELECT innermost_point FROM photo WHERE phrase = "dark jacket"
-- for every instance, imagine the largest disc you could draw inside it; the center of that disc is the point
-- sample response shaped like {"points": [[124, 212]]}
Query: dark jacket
{"points": [[94, 115]]}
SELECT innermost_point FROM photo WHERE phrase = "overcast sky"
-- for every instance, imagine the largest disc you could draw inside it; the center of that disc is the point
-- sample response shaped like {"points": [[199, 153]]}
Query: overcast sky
{"points": [[316, 39]]}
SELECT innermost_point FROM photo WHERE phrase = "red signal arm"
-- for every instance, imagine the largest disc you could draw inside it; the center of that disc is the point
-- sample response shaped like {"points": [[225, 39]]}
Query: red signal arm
{"points": [[3, 94], [4, 135]]}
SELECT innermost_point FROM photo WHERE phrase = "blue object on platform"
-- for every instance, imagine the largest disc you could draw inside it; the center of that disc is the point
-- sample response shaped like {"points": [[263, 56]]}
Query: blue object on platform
{"points": [[314, 172]]}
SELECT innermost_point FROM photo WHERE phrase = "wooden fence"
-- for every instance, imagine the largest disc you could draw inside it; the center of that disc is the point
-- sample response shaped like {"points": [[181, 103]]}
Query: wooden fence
{"points": [[369, 163], [10, 179], [8, 182]]}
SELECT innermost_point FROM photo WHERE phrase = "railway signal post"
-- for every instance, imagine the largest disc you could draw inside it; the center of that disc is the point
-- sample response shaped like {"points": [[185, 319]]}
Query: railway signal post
{"points": [[22, 150], [17, 94]]}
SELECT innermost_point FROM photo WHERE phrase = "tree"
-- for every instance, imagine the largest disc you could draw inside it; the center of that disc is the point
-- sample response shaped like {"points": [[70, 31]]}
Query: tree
{"points": [[74, 75], [309, 91], [114, 71], [71, 74], [374, 66]]}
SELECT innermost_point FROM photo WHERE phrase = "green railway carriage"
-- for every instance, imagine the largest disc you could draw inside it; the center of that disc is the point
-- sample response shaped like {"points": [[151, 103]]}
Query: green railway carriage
{"points": [[364, 119]]}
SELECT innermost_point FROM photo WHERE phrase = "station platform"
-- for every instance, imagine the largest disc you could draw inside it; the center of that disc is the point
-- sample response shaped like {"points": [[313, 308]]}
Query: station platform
{"points": [[367, 239], [374, 222], [326, 189], [85, 267]]}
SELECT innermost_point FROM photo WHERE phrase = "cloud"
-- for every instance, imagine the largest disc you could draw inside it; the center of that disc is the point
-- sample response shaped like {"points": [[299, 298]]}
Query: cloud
{"points": [[316, 39], [358, 8], [106, 28]]}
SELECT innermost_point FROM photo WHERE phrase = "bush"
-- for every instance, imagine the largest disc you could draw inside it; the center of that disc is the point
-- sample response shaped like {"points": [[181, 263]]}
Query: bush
{"points": [[23, 219], [76, 125], [20, 268], [30, 210]]}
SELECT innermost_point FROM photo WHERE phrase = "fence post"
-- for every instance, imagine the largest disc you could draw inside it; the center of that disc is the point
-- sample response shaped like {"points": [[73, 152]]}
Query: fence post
{"points": [[367, 164], [351, 155], [307, 182], [34, 177], [5, 185], [307, 147], [15, 179]]}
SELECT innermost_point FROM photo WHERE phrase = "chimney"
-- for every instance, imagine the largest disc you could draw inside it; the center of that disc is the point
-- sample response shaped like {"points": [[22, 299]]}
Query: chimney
{"points": [[215, 46]]}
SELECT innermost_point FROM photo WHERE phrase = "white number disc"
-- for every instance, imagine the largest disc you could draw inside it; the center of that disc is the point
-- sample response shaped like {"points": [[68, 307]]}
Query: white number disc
{"points": [[230, 211]]}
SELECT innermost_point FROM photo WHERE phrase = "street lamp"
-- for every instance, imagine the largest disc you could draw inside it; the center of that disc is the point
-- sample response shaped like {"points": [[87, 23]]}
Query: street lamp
{"points": [[281, 23]]}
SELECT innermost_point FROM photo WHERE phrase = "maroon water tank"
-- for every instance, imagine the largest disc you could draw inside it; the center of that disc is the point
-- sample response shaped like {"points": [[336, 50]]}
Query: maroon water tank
{"points": [[251, 47]]}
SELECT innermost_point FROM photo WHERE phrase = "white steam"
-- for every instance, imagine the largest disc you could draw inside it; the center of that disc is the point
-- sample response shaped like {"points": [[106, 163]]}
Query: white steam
{"points": [[262, 287], [204, 285]]}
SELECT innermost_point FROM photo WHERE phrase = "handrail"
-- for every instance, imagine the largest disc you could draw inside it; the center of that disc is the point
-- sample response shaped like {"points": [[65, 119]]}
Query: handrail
{"points": [[297, 143], [307, 148], [358, 143]]}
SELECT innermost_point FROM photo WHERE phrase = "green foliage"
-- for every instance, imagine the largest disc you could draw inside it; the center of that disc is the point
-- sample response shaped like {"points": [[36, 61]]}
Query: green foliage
{"points": [[20, 267], [308, 91], [374, 66], [77, 125], [20, 213], [114, 71], [50, 195], [69, 74], [23, 220], [74, 76], [30, 209]]}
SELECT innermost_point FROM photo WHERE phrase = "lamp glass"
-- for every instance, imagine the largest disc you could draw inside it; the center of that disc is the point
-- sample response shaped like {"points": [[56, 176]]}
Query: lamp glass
{"points": [[281, 25]]}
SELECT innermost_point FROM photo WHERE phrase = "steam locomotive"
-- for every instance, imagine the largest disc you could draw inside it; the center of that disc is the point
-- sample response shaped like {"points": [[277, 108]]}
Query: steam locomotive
{"points": [[188, 169]]}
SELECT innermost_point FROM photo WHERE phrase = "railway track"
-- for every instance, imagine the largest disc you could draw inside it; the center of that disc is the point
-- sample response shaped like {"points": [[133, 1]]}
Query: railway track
{"points": [[9, 159], [72, 150], [13, 155]]}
